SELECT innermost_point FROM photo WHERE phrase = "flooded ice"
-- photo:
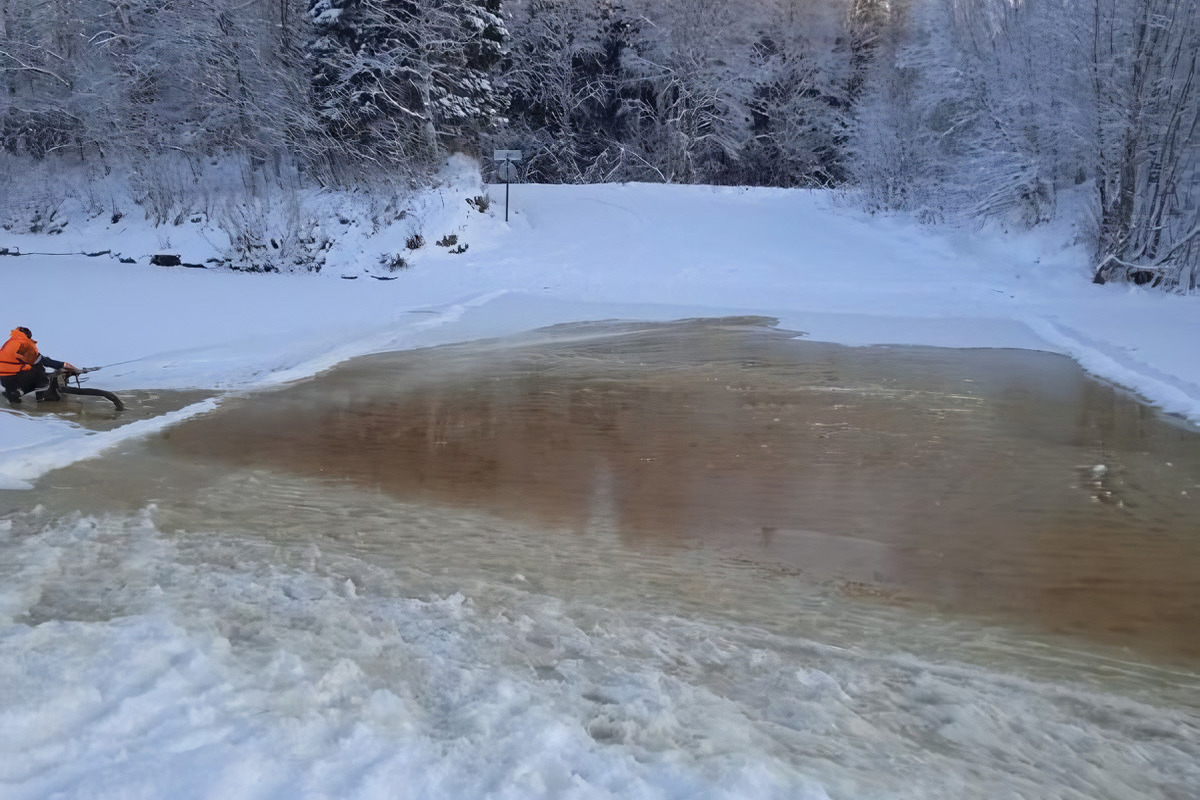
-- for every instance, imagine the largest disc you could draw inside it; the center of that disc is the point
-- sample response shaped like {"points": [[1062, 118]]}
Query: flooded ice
{"points": [[700, 559]]}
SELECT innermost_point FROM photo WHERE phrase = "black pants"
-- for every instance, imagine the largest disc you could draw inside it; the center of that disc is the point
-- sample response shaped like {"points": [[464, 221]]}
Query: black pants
{"points": [[26, 381]]}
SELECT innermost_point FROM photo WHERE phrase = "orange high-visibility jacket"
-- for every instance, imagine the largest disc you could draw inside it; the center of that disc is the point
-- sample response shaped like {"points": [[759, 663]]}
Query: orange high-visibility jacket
{"points": [[18, 354]]}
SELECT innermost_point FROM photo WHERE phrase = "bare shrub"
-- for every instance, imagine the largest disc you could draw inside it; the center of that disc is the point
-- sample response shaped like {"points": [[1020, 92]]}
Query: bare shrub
{"points": [[393, 261], [33, 193], [271, 234], [167, 187]]}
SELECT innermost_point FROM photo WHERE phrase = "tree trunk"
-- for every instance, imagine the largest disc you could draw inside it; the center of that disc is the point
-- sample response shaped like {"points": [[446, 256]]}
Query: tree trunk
{"points": [[429, 137]]}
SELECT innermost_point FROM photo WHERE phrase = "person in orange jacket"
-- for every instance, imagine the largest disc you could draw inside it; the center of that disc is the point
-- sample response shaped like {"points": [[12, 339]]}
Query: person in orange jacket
{"points": [[23, 368]]}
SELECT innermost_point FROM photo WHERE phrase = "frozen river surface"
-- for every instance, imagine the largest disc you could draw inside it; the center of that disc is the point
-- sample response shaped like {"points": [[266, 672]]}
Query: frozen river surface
{"points": [[700, 559]]}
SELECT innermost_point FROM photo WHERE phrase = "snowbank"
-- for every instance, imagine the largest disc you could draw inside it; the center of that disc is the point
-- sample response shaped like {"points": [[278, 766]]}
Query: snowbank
{"points": [[568, 253]]}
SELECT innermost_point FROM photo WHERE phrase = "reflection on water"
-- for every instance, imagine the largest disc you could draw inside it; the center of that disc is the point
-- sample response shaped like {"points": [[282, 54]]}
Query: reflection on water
{"points": [[989, 482]]}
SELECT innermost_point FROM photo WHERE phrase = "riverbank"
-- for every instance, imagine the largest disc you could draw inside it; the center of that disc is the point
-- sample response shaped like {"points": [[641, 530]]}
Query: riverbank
{"points": [[567, 253]]}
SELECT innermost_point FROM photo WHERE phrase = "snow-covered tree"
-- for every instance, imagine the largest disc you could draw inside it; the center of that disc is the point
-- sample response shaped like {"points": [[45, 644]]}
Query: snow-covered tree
{"points": [[692, 117], [397, 78], [701, 90], [1143, 65], [38, 62], [546, 93], [1016, 130], [955, 110], [571, 89], [466, 100], [892, 152], [804, 81]]}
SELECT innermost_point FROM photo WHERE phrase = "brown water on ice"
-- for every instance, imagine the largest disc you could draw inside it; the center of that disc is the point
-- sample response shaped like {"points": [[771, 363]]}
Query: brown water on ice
{"points": [[993, 483]]}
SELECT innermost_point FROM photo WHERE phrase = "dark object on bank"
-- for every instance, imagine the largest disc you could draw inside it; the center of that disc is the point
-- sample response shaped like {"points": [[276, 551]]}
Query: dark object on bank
{"points": [[171, 260], [1113, 269]]}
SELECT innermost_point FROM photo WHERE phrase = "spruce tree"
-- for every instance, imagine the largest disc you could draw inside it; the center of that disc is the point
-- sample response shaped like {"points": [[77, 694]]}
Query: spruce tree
{"points": [[402, 79]]}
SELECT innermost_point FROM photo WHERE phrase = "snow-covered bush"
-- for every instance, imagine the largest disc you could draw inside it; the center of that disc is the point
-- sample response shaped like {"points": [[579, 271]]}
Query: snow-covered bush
{"points": [[167, 188], [40, 196], [393, 262], [272, 234]]}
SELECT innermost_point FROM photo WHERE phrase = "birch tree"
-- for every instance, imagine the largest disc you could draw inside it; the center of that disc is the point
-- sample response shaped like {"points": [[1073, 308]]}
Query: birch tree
{"points": [[1146, 107], [1015, 131]]}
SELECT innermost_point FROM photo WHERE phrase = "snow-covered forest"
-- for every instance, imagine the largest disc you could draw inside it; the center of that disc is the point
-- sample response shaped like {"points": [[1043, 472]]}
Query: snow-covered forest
{"points": [[963, 112]]}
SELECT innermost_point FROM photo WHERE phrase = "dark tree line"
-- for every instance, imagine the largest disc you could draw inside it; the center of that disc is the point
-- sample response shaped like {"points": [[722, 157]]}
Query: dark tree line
{"points": [[954, 110]]}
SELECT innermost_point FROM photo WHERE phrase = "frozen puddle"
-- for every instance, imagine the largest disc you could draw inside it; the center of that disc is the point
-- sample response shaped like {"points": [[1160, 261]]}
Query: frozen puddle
{"points": [[688, 560]]}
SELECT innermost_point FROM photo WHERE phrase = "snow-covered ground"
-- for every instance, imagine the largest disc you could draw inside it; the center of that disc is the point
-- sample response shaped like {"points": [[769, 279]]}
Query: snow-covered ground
{"points": [[567, 253], [380, 648]]}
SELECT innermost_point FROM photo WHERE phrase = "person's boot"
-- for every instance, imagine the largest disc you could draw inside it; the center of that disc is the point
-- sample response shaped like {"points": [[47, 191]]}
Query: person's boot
{"points": [[13, 395]]}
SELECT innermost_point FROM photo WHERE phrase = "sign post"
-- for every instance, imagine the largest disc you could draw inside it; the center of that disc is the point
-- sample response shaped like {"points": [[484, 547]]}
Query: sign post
{"points": [[506, 167]]}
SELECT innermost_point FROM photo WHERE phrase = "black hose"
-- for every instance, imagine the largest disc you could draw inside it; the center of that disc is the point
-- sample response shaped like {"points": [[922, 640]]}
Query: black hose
{"points": [[116, 401]]}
